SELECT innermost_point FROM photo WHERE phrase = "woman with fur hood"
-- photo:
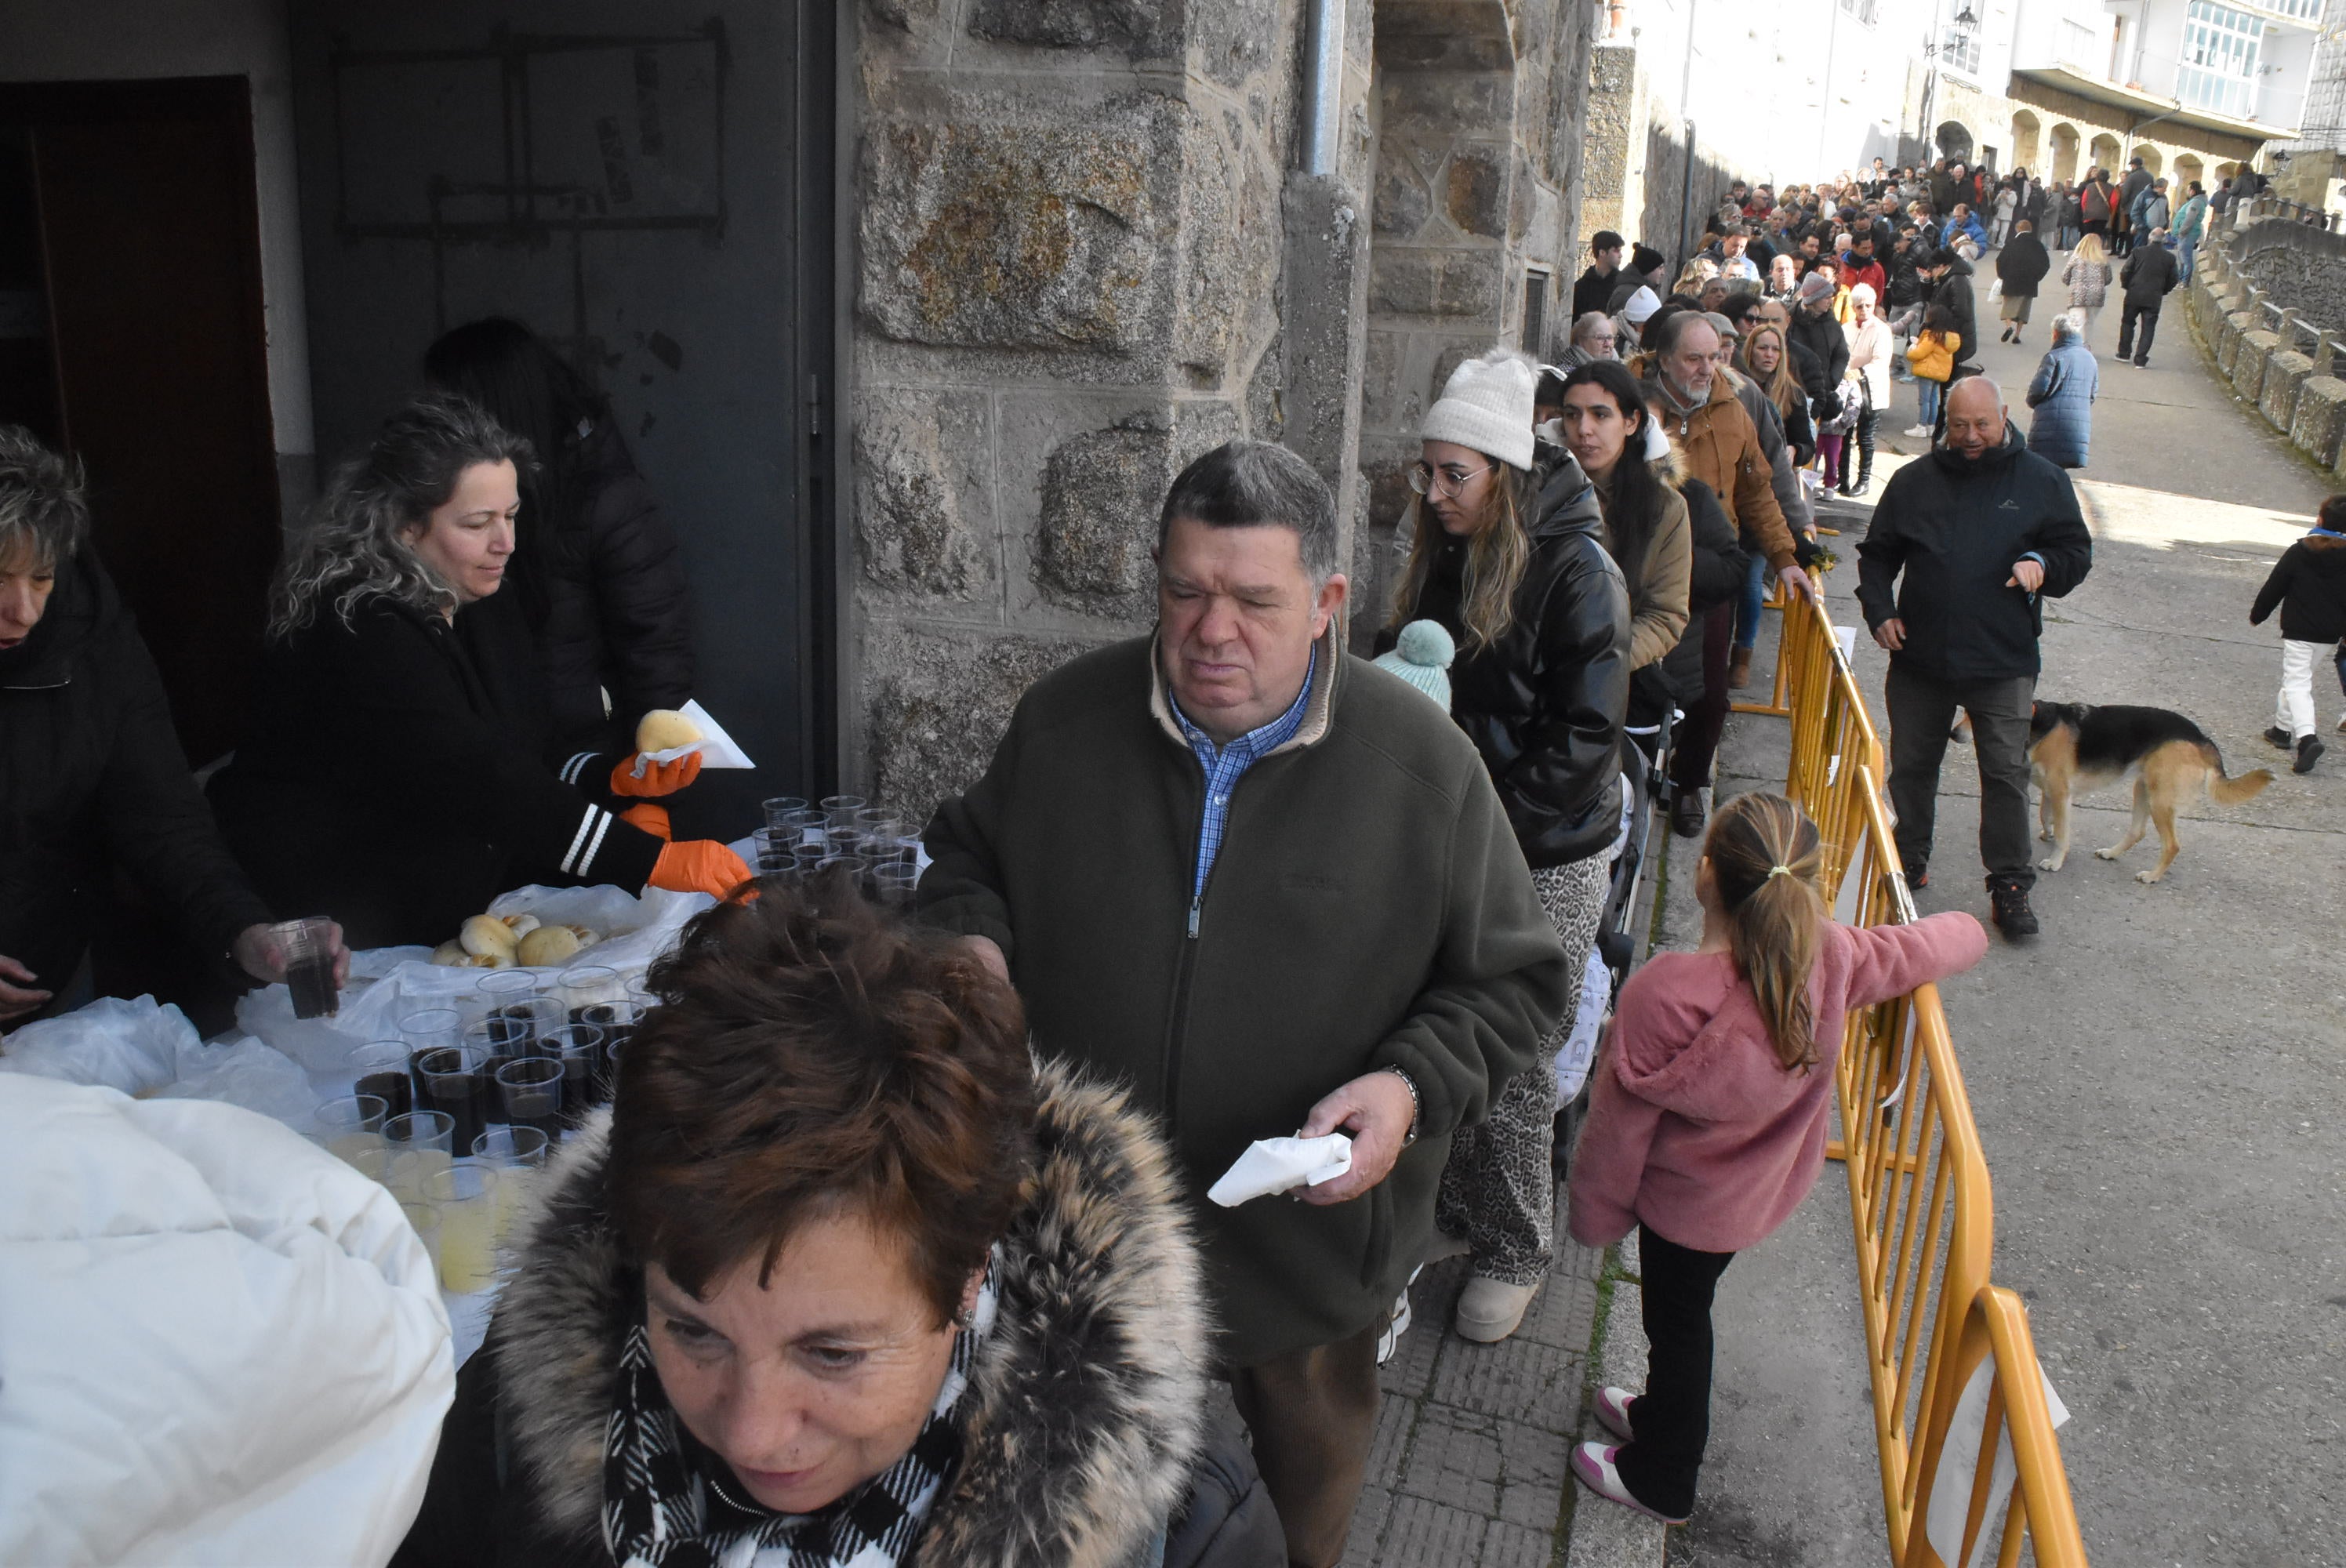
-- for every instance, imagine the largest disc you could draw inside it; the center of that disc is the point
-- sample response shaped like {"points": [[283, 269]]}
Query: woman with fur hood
{"points": [[846, 1279]]}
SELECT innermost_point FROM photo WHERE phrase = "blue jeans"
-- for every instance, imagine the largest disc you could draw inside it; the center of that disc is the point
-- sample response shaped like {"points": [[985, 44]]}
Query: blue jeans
{"points": [[1935, 396], [1755, 594], [2187, 251]]}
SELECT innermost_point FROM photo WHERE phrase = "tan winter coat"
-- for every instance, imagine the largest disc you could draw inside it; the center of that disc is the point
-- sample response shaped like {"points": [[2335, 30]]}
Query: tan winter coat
{"points": [[1720, 448], [1659, 592]]}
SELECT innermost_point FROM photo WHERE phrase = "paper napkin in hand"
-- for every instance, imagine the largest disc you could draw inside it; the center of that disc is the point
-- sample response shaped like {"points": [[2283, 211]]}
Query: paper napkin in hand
{"points": [[1275, 1165]]}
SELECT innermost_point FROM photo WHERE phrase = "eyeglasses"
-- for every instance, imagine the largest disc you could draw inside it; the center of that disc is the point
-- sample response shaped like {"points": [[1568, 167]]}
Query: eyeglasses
{"points": [[1443, 483]]}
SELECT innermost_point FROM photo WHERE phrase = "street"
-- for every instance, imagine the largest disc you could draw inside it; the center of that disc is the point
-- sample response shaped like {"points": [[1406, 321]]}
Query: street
{"points": [[2156, 1078]]}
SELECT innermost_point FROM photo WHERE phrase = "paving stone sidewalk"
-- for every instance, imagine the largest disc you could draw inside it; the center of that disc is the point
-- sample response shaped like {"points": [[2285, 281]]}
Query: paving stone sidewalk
{"points": [[1468, 1470]]}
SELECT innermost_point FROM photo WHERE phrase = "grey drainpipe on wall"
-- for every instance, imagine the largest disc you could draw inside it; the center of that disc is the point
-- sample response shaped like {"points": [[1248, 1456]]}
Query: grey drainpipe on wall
{"points": [[1323, 84]]}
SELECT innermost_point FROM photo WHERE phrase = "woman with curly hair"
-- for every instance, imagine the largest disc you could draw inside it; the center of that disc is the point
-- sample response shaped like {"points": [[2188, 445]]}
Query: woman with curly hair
{"points": [[399, 769]]}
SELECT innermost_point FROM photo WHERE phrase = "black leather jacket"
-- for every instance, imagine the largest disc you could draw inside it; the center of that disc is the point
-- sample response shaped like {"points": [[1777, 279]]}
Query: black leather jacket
{"points": [[1544, 704]]}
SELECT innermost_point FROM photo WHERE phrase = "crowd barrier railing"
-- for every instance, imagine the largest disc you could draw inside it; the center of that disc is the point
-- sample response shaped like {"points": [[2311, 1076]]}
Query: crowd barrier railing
{"points": [[1920, 1202]]}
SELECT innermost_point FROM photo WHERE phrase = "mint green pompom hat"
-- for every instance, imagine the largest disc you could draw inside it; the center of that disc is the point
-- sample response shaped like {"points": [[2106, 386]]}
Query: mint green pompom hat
{"points": [[1421, 656]]}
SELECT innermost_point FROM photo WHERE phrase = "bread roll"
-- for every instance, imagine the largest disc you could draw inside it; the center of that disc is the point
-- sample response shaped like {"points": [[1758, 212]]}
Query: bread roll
{"points": [[663, 729], [451, 955], [547, 946], [484, 935], [521, 925]]}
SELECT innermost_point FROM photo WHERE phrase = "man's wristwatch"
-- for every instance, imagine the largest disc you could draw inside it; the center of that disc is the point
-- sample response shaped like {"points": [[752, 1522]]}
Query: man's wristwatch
{"points": [[1416, 1104]]}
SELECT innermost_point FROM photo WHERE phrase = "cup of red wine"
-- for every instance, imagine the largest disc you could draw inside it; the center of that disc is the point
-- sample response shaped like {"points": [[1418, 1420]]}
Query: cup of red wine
{"points": [[309, 950]]}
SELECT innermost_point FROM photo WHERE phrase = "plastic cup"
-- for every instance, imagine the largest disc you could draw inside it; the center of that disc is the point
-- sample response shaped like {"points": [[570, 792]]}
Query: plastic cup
{"points": [[374, 1163], [579, 1049], [382, 1069], [431, 1029], [347, 1126], [841, 809], [519, 1154], [617, 1021], [584, 984], [774, 848], [419, 1143], [466, 1197], [532, 1092], [454, 1080], [308, 946], [781, 806]]}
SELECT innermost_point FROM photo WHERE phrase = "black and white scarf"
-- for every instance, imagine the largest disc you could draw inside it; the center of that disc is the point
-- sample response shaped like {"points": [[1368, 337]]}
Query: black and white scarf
{"points": [[656, 1503]]}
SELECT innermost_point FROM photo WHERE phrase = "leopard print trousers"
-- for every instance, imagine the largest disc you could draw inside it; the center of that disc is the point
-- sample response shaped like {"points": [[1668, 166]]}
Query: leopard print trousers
{"points": [[1498, 1189]]}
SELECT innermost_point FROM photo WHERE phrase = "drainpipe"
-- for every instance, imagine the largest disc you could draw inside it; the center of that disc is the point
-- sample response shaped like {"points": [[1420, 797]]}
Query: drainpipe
{"points": [[1323, 84]]}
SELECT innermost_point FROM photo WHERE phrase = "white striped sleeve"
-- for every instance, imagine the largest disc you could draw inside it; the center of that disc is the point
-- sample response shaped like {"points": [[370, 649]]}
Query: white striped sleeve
{"points": [[586, 829], [574, 768], [593, 844]]}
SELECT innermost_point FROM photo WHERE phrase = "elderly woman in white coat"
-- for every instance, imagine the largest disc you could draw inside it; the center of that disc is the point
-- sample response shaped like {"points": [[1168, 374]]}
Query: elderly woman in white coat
{"points": [[1871, 351]]}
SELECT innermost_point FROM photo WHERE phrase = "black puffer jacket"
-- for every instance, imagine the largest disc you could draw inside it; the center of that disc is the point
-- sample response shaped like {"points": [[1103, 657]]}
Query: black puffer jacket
{"points": [[1544, 703], [2021, 265], [400, 772], [1956, 292], [1954, 528], [1828, 347], [92, 775], [609, 609], [1087, 1424]]}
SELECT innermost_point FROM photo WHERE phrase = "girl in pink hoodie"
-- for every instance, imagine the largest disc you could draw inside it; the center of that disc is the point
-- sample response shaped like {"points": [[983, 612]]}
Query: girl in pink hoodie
{"points": [[1709, 1111]]}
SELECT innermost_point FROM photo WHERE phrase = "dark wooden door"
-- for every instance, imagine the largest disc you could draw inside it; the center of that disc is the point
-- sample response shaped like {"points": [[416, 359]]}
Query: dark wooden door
{"points": [[151, 253]]}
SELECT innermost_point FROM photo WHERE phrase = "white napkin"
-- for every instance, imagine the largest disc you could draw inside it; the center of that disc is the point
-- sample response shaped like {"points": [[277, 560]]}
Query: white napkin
{"points": [[1275, 1165], [716, 747]]}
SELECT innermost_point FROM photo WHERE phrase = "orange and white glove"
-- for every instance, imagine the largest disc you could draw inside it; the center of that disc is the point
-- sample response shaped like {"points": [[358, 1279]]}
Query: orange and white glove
{"points": [[650, 818], [698, 866], [659, 777]]}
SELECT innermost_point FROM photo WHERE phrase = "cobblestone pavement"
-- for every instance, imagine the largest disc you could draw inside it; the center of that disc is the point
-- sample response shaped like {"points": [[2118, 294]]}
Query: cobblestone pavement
{"points": [[1468, 1470]]}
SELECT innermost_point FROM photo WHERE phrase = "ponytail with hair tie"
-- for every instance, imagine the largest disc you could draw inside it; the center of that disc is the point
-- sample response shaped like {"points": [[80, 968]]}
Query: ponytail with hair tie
{"points": [[1772, 927]]}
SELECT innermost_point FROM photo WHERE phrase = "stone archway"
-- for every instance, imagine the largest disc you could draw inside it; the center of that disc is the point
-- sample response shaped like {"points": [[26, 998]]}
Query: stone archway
{"points": [[2154, 161], [2063, 142], [2027, 140], [2102, 153], [1954, 140], [2187, 168]]}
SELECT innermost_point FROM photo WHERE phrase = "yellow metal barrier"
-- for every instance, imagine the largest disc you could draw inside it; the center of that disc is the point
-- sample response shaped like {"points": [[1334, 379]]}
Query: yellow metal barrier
{"points": [[1780, 700], [1920, 1198]]}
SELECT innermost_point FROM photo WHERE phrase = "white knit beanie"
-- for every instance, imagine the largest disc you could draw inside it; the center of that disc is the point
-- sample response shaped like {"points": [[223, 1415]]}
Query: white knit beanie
{"points": [[1488, 406]]}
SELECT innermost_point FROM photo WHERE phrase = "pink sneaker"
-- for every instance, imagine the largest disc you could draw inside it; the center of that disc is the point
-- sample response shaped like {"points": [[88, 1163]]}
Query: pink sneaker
{"points": [[1593, 1463], [1613, 1411]]}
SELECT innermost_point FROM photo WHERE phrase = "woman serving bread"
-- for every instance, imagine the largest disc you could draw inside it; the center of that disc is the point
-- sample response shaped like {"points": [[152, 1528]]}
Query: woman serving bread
{"points": [[400, 768]]}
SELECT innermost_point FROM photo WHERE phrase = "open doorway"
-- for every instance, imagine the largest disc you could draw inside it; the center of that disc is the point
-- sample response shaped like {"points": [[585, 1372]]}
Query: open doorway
{"points": [[131, 284]]}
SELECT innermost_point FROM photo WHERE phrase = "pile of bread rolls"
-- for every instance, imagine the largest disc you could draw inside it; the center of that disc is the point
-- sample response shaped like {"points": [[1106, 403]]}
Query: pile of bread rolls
{"points": [[504, 942]]}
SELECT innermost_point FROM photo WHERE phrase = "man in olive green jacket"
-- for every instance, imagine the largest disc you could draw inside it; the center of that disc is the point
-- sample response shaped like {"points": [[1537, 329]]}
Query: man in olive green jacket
{"points": [[1269, 887]]}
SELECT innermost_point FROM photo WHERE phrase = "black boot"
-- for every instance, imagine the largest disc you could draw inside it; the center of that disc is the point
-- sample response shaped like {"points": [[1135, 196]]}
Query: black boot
{"points": [[1864, 465], [2009, 904]]}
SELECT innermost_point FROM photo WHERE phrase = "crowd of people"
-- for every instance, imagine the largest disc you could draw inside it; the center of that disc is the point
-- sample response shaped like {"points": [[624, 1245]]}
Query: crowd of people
{"points": [[895, 1244]]}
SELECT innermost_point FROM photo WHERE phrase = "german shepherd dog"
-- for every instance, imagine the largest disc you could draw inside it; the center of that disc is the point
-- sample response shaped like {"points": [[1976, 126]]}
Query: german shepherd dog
{"points": [[2074, 748]]}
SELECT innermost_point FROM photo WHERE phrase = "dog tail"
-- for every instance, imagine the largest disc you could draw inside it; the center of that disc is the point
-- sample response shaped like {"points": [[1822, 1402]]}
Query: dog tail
{"points": [[2226, 790]]}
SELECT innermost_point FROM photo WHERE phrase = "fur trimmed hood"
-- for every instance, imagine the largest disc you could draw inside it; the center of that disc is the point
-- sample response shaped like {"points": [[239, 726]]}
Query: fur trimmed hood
{"points": [[1084, 1409]]}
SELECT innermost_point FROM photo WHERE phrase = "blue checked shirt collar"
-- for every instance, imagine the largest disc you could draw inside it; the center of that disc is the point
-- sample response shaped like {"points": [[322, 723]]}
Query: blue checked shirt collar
{"points": [[1223, 765]]}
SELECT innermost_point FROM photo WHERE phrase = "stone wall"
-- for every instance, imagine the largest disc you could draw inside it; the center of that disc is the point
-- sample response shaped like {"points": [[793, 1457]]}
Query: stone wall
{"points": [[1479, 112], [1083, 255], [1068, 243], [2302, 269], [2281, 363]]}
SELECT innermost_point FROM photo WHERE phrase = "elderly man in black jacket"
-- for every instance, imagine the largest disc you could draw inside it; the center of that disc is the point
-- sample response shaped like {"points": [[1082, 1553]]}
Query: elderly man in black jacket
{"points": [[1980, 530], [91, 773], [2149, 275]]}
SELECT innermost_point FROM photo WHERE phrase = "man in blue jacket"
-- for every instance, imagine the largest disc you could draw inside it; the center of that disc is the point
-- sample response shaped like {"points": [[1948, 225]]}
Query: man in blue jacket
{"points": [[1980, 531]]}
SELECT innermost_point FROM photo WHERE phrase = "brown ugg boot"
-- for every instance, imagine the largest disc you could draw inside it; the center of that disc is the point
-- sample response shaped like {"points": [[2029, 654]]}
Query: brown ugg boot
{"points": [[1739, 669]]}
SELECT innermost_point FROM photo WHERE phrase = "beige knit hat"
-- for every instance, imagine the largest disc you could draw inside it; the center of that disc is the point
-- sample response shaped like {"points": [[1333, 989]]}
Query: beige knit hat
{"points": [[1488, 406]]}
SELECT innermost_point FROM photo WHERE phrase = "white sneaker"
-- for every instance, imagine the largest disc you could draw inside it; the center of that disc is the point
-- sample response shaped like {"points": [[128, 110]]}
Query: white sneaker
{"points": [[1920, 431], [1592, 1462], [1490, 1309], [1613, 1411]]}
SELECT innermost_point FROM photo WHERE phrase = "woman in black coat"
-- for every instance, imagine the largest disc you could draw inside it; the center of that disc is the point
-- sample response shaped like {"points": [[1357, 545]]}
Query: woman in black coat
{"points": [[402, 768], [597, 573], [91, 773], [1506, 554]]}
